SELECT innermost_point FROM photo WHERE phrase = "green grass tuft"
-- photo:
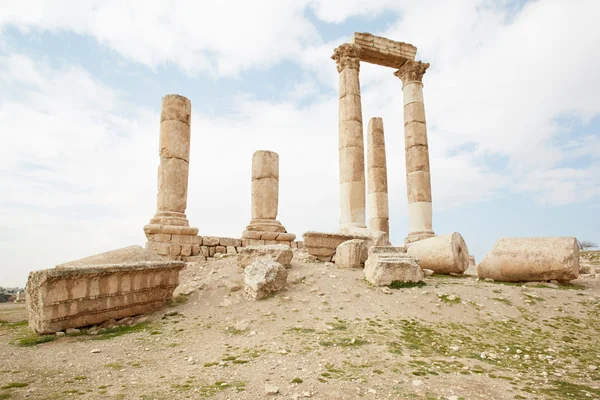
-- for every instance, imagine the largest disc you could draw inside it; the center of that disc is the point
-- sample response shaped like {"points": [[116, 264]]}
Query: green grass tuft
{"points": [[406, 285]]}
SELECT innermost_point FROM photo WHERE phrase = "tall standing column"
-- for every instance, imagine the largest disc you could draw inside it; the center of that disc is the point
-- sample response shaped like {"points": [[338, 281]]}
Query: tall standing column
{"points": [[169, 233], [418, 179], [351, 142], [264, 228], [377, 177], [174, 161]]}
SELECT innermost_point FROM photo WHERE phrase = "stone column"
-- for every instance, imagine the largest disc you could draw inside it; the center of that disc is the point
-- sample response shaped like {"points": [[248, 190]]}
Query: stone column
{"points": [[169, 233], [174, 150], [418, 180], [264, 228], [377, 177], [351, 143]]}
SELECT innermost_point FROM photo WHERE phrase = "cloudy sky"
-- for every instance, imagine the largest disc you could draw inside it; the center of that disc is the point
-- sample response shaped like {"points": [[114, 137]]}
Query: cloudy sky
{"points": [[512, 99]]}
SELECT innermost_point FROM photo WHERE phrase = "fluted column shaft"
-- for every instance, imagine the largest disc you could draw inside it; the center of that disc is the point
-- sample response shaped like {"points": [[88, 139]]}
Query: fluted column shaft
{"points": [[418, 179], [377, 185], [351, 142]]}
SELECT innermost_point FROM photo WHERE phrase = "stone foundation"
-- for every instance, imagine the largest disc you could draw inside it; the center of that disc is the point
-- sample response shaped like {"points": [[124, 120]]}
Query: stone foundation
{"points": [[73, 297]]}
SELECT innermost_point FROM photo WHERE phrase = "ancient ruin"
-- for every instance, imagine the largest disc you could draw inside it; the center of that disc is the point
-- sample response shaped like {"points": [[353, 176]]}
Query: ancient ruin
{"points": [[531, 259], [264, 227], [169, 233], [377, 182], [111, 285]]}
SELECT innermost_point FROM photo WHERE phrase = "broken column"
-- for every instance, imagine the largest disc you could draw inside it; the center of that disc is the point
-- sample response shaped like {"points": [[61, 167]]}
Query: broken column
{"points": [[169, 233], [418, 180], [531, 259], [377, 177], [442, 254], [264, 228], [351, 145]]}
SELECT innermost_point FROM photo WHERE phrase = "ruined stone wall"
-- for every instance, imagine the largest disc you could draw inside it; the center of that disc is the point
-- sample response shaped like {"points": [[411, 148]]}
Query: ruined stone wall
{"points": [[169, 245]]}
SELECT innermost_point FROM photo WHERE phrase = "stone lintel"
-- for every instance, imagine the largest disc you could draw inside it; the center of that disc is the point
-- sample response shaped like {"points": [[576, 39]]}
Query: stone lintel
{"points": [[382, 51]]}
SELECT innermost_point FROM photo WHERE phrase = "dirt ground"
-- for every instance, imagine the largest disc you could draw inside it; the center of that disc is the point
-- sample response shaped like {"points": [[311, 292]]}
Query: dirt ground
{"points": [[329, 335]]}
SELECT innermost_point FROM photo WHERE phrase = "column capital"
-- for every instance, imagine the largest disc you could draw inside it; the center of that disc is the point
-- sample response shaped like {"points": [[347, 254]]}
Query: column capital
{"points": [[412, 71], [347, 55]]}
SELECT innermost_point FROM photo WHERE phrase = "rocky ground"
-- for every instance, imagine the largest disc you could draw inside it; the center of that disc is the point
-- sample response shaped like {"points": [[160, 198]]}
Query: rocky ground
{"points": [[328, 336]]}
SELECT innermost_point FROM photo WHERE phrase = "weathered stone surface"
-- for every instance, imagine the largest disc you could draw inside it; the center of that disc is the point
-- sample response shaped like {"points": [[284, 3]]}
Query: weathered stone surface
{"points": [[382, 51], [170, 224], [278, 252], [263, 277], [350, 135], [443, 254], [386, 249], [231, 250], [125, 255], [210, 241], [351, 254], [381, 269], [377, 177], [72, 297], [531, 259], [418, 179]]}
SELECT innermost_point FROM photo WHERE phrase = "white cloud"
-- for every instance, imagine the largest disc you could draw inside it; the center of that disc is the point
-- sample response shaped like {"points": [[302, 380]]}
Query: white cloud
{"points": [[218, 37]]}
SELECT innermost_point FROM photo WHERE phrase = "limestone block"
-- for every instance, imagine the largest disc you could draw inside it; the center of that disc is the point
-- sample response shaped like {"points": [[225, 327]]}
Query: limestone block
{"points": [[72, 297], [418, 186], [415, 134], [174, 249], [351, 254], [300, 244], [293, 245], [265, 198], [228, 241], [386, 250], [212, 250], [382, 51], [286, 237], [172, 184], [271, 242], [417, 159], [125, 255], [231, 250], [352, 165], [221, 249], [252, 235], [378, 205], [264, 277], [175, 140], [350, 134], [159, 237], [210, 241], [196, 250], [352, 203], [531, 259], [169, 229], [269, 235], [349, 83], [280, 253], [253, 242], [186, 249], [414, 112], [442, 254], [381, 269], [161, 249], [186, 239], [264, 225], [265, 164], [412, 92], [176, 107], [204, 251], [350, 108]]}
